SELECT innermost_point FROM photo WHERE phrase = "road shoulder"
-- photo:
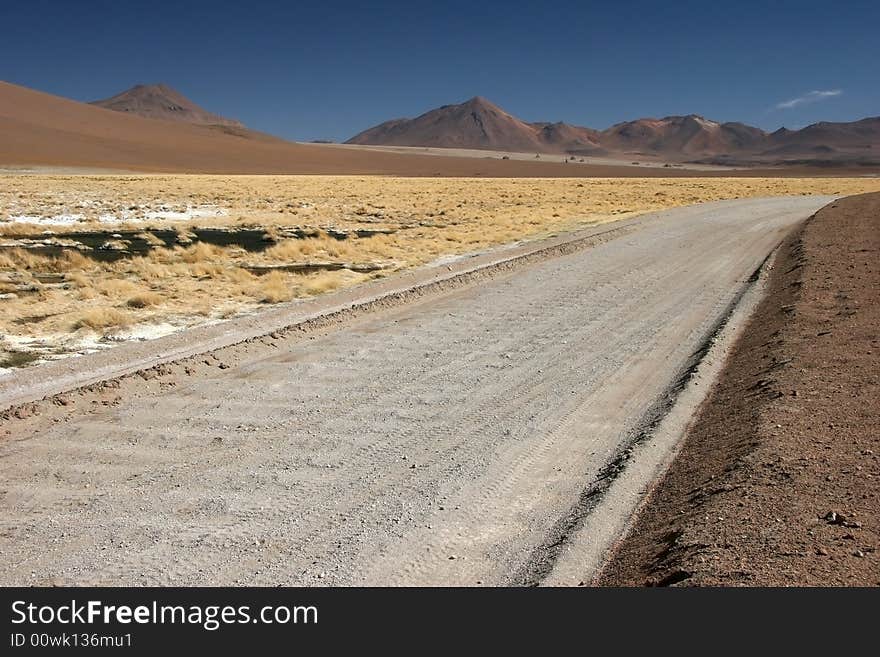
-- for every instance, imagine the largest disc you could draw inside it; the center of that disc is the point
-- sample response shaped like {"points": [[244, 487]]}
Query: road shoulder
{"points": [[776, 482]]}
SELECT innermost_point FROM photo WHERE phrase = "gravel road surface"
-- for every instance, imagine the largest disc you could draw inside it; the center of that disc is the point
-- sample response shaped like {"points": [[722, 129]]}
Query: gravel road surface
{"points": [[438, 442], [776, 483]]}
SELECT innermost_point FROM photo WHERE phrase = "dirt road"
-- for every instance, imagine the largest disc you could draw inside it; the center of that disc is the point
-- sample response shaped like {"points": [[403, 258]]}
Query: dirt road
{"points": [[438, 442], [776, 480]]}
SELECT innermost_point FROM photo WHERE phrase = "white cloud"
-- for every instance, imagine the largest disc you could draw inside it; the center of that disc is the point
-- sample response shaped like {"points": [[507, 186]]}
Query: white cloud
{"points": [[807, 98]]}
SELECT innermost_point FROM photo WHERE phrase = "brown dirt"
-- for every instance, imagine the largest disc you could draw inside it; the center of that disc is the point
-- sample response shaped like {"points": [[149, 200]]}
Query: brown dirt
{"points": [[777, 480]]}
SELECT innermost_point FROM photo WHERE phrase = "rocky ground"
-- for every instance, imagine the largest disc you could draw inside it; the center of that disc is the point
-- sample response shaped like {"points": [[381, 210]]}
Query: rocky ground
{"points": [[777, 481]]}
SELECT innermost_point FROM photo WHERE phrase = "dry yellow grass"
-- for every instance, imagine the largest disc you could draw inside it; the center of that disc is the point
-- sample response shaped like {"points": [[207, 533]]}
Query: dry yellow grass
{"points": [[321, 283], [144, 299], [185, 284], [351, 201], [275, 287], [102, 317]]}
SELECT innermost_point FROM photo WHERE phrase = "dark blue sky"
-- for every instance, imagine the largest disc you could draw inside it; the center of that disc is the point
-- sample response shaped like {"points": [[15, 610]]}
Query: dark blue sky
{"points": [[329, 69]]}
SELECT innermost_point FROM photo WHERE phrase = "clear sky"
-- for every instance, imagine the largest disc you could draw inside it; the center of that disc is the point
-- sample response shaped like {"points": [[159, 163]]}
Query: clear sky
{"points": [[326, 70]]}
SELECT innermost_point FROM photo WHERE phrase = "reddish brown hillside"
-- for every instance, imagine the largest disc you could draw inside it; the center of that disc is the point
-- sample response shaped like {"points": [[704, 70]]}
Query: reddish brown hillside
{"points": [[476, 123], [686, 135], [159, 101]]}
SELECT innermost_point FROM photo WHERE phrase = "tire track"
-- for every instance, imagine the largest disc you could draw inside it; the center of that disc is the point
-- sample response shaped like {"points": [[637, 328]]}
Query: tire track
{"points": [[328, 461]]}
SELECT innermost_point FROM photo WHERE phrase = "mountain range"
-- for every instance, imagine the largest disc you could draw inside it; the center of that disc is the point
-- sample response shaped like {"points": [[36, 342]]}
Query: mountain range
{"points": [[480, 124], [155, 128], [39, 130]]}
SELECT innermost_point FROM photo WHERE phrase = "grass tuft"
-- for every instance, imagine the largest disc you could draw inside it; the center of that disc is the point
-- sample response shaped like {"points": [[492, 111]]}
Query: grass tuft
{"points": [[274, 288], [145, 299], [101, 318], [321, 283]]}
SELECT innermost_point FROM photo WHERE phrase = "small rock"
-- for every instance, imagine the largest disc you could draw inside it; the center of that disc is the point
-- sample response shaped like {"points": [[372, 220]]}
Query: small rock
{"points": [[833, 518], [23, 412]]}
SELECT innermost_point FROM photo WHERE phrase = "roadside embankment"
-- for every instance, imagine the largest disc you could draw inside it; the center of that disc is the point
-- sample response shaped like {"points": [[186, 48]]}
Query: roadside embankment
{"points": [[777, 480]]}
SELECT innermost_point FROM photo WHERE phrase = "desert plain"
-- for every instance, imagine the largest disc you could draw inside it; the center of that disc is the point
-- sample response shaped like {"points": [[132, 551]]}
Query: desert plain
{"points": [[88, 261]]}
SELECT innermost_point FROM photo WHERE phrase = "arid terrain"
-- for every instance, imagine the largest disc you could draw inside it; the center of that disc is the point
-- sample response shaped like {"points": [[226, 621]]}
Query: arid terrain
{"points": [[480, 124], [457, 426], [89, 261], [463, 349], [40, 132], [777, 481], [156, 129]]}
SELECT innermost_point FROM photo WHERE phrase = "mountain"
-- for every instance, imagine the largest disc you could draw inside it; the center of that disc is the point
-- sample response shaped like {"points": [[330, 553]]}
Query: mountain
{"points": [[566, 138], [681, 135], [480, 124], [857, 138], [476, 123], [41, 130], [159, 101]]}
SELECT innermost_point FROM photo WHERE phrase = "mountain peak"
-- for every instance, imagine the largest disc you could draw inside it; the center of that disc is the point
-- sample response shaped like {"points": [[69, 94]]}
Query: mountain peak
{"points": [[160, 101], [481, 124], [481, 103], [158, 87]]}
